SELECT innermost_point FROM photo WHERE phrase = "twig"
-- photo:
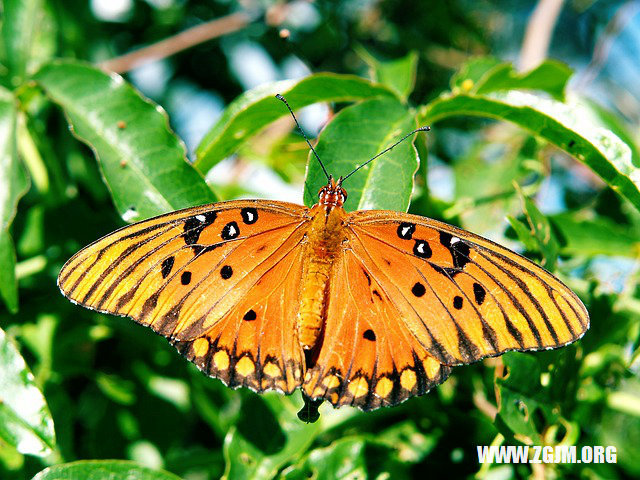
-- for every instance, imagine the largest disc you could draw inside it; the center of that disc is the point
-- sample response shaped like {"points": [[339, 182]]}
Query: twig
{"points": [[623, 16], [177, 43], [537, 36]]}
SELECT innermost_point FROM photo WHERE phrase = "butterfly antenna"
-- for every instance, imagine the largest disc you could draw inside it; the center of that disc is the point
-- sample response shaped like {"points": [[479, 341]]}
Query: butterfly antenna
{"points": [[280, 97], [421, 129]]}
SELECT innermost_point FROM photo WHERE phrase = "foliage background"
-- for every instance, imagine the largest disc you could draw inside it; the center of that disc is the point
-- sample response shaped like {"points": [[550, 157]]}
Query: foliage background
{"points": [[548, 170]]}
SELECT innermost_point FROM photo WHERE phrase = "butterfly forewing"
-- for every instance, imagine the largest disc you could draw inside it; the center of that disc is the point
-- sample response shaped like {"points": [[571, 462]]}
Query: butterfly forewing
{"points": [[220, 281], [472, 297]]}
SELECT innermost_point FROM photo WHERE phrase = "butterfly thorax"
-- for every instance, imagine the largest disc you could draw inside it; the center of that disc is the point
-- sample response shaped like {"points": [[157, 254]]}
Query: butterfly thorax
{"points": [[325, 240]]}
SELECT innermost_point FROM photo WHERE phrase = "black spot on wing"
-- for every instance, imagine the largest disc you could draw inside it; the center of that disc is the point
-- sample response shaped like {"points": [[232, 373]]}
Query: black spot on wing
{"points": [[185, 278], [201, 249], [422, 249], [230, 231], [369, 335], [479, 293], [418, 289], [249, 316], [193, 226], [405, 230], [226, 272], [458, 249], [167, 265], [249, 215], [457, 302]]}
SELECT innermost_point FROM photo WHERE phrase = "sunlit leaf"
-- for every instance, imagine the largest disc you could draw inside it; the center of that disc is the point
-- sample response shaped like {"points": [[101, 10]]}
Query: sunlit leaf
{"points": [[29, 34], [355, 135], [13, 185], [142, 161], [398, 74], [25, 420], [560, 124], [257, 108], [102, 470]]}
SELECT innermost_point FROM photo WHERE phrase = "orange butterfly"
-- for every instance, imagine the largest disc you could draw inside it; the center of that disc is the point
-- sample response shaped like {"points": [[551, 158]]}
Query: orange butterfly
{"points": [[366, 308]]}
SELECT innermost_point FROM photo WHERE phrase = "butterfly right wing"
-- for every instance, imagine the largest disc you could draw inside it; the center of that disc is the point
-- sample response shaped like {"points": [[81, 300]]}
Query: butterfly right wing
{"points": [[195, 275]]}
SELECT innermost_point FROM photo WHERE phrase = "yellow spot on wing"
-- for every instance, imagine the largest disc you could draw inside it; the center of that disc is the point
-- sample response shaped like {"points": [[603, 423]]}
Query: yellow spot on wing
{"points": [[272, 370], [221, 360], [431, 367], [408, 379], [245, 366], [200, 347], [384, 387], [331, 381], [359, 387]]}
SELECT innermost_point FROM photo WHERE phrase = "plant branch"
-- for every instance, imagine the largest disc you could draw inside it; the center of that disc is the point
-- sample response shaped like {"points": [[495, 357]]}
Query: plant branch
{"points": [[177, 43], [537, 36]]}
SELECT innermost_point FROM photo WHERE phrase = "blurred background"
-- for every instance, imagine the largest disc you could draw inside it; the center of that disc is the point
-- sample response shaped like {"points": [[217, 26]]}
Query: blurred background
{"points": [[118, 391], [282, 40]]}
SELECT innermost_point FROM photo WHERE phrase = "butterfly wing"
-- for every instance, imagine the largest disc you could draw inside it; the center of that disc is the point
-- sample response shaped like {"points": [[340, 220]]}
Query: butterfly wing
{"points": [[220, 281], [368, 357], [461, 296]]}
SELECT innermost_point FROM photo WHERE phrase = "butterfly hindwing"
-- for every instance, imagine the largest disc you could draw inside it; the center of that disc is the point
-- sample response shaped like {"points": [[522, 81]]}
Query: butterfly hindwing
{"points": [[252, 344], [369, 357], [465, 297]]}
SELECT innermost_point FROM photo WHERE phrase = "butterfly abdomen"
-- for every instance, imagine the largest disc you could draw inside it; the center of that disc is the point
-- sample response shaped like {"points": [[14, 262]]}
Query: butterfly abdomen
{"points": [[324, 241]]}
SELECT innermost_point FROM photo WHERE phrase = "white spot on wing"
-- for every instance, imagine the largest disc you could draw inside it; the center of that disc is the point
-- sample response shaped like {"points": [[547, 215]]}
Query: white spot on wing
{"points": [[454, 240], [405, 230], [201, 218]]}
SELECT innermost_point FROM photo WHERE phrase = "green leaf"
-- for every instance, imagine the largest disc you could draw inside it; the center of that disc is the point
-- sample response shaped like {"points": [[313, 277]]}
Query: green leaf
{"points": [[520, 394], [596, 236], [550, 77], [142, 161], [356, 134], [13, 185], [25, 420], [540, 229], [257, 108], [560, 124], [399, 75], [472, 73], [29, 34], [267, 436], [486, 74], [345, 458], [523, 233], [614, 123], [103, 470]]}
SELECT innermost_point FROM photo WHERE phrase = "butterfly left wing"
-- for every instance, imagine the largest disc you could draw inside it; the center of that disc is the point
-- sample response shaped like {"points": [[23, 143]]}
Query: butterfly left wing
{"points": [[462, 296], [219, 281]]}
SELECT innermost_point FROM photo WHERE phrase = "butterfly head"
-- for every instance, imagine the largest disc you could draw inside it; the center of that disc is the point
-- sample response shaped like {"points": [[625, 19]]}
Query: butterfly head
{"points": [[332, 193]]}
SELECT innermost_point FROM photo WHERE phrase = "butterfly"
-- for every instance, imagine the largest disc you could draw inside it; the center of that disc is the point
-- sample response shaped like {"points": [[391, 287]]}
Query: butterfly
{"points": [[364, 308]]}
